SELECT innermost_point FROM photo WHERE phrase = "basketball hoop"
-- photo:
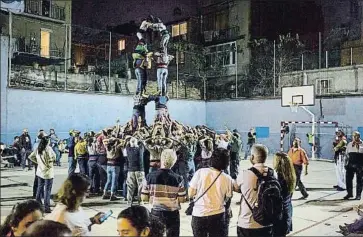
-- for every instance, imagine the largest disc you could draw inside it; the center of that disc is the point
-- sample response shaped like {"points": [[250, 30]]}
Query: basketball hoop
{"points": [[294, 107]]}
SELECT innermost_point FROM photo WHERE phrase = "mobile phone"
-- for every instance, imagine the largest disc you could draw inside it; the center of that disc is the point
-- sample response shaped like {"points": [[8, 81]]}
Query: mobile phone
{"points": [[107, 215]]}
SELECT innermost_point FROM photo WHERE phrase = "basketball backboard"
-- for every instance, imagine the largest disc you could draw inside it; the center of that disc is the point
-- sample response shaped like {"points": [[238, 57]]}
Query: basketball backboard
{"points": [[298, 95]]}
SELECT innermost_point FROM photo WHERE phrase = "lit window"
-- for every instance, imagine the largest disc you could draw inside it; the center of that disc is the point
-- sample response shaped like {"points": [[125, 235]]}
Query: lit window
{"points": [[121, 45], [179, 29], [223, 54], [45, 43]]}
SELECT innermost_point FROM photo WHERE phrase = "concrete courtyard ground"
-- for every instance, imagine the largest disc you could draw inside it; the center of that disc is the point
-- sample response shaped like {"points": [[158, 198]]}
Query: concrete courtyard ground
{"points": [[319, 215]]}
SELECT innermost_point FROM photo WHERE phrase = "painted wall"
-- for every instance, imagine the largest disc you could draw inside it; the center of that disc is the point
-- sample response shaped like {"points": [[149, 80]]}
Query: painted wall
{"points": [[64, 111], [268, 113]]}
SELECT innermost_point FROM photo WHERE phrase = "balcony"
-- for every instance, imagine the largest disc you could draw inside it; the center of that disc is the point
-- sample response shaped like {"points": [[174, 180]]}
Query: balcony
{"points": [[45, 8], [212, 37]]}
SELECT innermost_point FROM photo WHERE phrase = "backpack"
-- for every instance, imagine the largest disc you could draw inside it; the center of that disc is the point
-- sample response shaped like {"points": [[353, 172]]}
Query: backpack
{"points": [[269, 205]]}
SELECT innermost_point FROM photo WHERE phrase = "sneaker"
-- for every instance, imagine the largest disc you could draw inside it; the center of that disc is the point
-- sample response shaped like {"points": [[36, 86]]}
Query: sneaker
{"points": [[114, 198], [104, 197], [335, 186], [347, 197], [48, 211], [357, 198], [340, 189]]}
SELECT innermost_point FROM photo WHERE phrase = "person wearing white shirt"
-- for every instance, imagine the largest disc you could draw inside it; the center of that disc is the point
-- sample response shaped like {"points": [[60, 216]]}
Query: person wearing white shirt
{"points": [[211, 189], [246, 183], [354, 166], [44, 157]]}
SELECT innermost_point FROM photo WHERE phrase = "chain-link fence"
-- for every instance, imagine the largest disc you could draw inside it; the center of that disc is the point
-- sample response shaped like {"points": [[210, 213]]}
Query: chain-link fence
{"points": [[77, 58]]}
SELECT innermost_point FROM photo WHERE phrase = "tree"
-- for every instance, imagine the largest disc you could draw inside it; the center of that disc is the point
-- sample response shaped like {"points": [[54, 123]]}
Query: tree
{"points": [[288, 51], [201, 63]]}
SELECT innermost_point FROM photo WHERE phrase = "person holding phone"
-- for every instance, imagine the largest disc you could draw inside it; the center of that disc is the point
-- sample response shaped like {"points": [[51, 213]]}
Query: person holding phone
{"points": [[69, 211]]}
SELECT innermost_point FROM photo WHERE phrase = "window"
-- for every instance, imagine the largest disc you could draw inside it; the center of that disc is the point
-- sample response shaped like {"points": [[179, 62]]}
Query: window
{"points": [[224, 54], [46, 8], [45, 43], [323, 86], [121, 44], [179, 29]]}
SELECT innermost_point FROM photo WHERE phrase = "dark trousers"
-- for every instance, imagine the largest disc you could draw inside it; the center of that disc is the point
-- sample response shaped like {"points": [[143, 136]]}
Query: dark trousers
{"points": [[234, 165], [265, 232], [35, 183], [124, 185], [171, 220], [94, 175], [83, 165], [298, 171], [181, 168], [45, 188], [102, 169], [209, 226], [349, 180]]}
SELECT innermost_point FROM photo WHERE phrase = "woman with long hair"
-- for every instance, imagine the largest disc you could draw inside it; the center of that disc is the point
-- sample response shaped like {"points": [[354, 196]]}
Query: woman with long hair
{"points": [[211, 189], [21, 217], [287, 178], [69, 211], [44, 157]]}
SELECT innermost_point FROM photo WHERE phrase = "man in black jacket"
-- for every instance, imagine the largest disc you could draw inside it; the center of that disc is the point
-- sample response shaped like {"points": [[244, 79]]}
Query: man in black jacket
{"points": [[251, 140], [25, 149], [135, 168]]}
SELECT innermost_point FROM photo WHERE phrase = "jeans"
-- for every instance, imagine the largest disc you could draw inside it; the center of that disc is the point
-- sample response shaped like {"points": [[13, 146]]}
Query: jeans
{"points": [[57, 155], [44, 187], [162, 75], [72, 165], [141, 77], [243, 232], [248, 151], [171, 220], [212, 226], [191, 169], [94, 175], [83, 165], [164, 42], [298, 171], [284, 226], [112, 178], [234, 165], [24, 157]]}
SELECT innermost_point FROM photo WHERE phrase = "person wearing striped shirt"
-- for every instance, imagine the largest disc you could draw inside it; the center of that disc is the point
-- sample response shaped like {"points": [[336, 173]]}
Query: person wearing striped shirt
{"points": [[165, 190]]}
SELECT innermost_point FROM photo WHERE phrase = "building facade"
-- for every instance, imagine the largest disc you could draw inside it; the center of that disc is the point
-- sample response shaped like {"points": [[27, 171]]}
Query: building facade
{"points": [[43, 29]]}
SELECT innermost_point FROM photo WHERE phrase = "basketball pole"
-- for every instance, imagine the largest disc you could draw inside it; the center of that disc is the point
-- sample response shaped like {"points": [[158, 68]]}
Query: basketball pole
{"points": [[312, 130]]}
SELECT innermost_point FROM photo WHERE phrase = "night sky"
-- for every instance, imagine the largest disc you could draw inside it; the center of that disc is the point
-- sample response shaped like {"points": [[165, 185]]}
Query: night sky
{"points": [[269, 17]]}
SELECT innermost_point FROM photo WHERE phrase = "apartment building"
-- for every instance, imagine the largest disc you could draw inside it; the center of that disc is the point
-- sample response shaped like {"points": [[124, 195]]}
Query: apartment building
{"points": [[41, 29]]}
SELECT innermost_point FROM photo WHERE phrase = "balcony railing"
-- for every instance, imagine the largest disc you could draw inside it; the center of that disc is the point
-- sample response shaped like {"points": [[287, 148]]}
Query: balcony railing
{"points": [[45, 8], [221, 36]]}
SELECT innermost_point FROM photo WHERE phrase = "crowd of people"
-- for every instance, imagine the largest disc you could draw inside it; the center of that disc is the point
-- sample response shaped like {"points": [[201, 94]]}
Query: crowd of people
{"points": [[166, 166]]}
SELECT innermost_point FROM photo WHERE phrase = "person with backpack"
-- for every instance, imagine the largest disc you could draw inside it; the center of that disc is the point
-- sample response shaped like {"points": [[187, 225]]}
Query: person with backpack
{"points": [[261, 201]]}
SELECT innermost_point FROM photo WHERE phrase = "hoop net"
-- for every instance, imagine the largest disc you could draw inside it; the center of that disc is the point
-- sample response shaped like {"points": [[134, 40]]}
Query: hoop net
{"points": [[294, 107]]}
